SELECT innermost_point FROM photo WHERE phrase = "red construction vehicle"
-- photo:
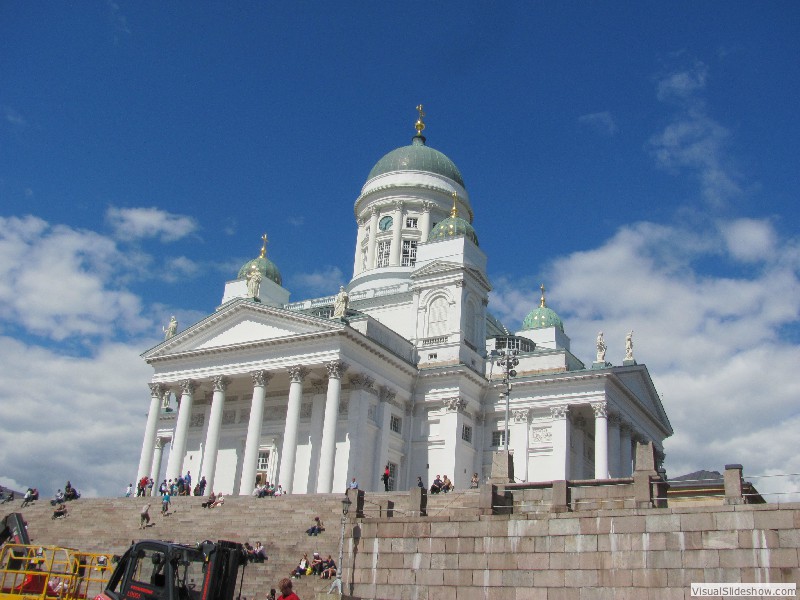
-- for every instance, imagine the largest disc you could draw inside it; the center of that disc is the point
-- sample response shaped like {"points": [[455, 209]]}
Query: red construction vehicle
{"points": [[148, 570], [155, 570]]}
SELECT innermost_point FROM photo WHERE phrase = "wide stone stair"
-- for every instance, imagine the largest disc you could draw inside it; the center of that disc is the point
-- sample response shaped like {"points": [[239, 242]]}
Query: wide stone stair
{"points": [[110, 525]]}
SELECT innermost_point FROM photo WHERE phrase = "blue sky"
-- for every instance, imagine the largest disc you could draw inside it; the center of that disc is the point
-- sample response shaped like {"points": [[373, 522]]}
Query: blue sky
{"points": [[640, 160]]}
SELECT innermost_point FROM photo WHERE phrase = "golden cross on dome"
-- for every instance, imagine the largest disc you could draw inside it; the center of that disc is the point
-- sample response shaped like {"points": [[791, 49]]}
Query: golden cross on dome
{"points": [[454, 210], [264, 246], [541, 303], [419, 125]]}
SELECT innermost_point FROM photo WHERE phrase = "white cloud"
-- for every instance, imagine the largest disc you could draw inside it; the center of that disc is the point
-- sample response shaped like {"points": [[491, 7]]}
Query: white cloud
{"points": [[693, 140], [325, 281], [713, 344], [72, 418], [601, 122], [682, 84], [13, 117], [59, 282], [139, 223], [749, 240], [178, 268]]}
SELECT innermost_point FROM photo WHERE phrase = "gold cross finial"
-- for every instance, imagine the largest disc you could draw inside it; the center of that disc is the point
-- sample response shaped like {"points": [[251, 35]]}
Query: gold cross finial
{"points": [[264, 246], [454, 210], [541, 302], [419, 125]]}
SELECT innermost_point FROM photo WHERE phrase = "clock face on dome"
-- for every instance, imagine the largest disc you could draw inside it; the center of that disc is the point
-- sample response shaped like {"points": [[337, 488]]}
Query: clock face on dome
{"points": [[385, 223]]}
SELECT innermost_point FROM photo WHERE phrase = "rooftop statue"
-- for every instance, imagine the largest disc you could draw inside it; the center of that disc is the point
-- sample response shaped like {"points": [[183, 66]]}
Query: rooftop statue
{"points": [[171, 329], [601, 348], [340, 303]]}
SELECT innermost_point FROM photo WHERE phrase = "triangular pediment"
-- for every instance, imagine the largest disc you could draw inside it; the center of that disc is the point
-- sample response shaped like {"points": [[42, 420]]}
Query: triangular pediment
{"points": [[242, 322], [640, 384]]}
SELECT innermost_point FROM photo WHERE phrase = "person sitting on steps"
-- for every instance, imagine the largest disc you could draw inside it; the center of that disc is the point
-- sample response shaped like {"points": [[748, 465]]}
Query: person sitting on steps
{"points": [[316, 528]]}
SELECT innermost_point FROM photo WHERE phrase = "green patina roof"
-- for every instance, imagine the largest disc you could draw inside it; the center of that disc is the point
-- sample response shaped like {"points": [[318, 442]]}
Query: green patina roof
{"points": [[542, 317], [453, 227], [263, 264], [417, 157]]}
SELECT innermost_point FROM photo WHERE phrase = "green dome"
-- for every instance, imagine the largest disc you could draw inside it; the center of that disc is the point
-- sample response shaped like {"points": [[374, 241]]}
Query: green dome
{"points": [[453, 227], [417, 157], [542, 317], [263, 264]]}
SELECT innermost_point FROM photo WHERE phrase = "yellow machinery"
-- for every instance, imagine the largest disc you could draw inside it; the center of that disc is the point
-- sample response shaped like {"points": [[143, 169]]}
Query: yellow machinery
{"points": [[31, 572]]}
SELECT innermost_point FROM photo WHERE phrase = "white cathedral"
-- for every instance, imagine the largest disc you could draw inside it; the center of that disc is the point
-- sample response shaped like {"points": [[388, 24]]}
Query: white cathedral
{"points": [[399, 369]]}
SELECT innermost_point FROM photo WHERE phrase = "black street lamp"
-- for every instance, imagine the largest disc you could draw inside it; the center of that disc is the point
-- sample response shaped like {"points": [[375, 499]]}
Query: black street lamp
{"points": [[337, 583]]}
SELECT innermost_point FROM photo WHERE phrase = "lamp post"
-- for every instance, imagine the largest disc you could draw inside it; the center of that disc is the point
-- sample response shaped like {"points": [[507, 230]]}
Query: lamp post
{"points": [[507, 360], [337, 583]]}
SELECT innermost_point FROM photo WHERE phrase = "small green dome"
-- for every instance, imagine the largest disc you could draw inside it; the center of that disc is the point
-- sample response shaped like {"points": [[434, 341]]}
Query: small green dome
{"points": [[417, 157], [453, 227], [263, 264], [542, 317]]}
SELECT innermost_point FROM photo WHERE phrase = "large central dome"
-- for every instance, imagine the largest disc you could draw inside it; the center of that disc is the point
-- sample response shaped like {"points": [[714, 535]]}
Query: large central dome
{"points": [[417, 157]]}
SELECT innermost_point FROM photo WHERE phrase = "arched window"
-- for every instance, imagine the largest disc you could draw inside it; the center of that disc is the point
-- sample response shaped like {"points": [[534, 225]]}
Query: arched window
{"points": [[437, 317]]}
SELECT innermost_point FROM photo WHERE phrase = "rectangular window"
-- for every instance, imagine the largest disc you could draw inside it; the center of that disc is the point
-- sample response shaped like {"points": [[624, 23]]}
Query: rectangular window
{"points": [[466, 434], [409, 253], [411, 222], [395, 423], [383, 253], [497, 438], [392, 476], [263, 460]]}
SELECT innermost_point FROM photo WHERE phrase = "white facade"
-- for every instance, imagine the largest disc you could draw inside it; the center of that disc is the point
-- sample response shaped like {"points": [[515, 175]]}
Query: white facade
{"points": [[287, 393]]}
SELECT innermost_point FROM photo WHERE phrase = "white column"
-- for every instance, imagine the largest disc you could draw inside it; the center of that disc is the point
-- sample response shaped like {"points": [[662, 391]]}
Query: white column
{"points": [[175, 463], [613, 445], [219, 383], [600, 440], [561, 443], [250, 460], [386, 397], [578, 436], [289, 454], [519, 431], [328, 447], [397, 229], [626, 460], [155, 468], [146, 458], [425, 224], [372, 244], [357, 265]]}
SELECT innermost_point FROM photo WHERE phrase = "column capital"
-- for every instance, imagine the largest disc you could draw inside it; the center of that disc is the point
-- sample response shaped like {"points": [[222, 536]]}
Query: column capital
{"points": [[219, 383], [559, 413], [361, 381], [160, 442], [260, 378], [386, 394], [614, 419], [600, 410], [398, 205], [336, 369], [521, 415], [297, 373], [427, 205], [455, 404], [156, 389], [625, 425], [188, 386]]}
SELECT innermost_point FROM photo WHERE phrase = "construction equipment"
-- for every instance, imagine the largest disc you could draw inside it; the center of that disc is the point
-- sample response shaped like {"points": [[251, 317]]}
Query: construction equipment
{"points": [[156, 570], [31, 572]]}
